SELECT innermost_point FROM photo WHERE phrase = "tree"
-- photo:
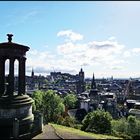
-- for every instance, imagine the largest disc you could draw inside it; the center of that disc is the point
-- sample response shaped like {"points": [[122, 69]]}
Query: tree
{"points": [[98, 121], [132, 124], [126, 128], [70, 101], [87, 120], [49, 104], [37, 97]]}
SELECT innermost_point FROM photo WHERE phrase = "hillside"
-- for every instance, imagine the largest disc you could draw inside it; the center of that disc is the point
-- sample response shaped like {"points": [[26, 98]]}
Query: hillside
{"points": [[71, 133]]}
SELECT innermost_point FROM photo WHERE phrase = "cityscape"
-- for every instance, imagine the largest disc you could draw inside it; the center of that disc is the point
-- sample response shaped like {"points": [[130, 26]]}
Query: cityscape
{"points": [[69, 65], [92, 93]]}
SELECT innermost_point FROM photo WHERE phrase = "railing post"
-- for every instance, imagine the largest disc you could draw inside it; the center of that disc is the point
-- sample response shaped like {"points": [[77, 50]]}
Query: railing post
{"points": [[16, 128], [40, 122]]}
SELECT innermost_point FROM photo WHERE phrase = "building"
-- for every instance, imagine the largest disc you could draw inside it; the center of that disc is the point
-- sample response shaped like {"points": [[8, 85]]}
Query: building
{"points": [[80, 82]]}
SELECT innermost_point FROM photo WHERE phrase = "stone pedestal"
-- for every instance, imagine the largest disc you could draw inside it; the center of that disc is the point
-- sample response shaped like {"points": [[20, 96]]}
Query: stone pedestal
{"points": [[19, 107]]}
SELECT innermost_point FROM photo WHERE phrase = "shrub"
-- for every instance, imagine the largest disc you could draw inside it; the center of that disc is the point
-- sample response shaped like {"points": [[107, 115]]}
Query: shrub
{"points": [[129, 128], [119, 125], [69, 121], [60, 120], [98, 121], [86, 120], [122, 135]]}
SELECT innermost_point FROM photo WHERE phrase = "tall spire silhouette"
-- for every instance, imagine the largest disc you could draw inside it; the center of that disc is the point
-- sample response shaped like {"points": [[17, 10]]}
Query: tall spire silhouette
{"points": [[93, 84], [32, 74]]}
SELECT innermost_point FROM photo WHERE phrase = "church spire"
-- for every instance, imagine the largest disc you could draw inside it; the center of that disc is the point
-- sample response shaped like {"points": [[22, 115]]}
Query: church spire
{"points": [[32, 75], [93, 84]]}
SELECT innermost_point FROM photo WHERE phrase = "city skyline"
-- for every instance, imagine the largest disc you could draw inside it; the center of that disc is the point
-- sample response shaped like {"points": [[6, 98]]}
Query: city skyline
{"points": [[101, 37]]}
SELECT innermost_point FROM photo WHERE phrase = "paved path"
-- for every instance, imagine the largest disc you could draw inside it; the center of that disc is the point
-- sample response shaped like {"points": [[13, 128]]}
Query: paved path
{"points": [[68, 135], [48, 133]]}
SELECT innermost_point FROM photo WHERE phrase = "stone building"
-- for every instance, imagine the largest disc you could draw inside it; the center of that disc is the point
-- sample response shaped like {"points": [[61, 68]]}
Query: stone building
{"points": [[80, 82], [94, 99]]}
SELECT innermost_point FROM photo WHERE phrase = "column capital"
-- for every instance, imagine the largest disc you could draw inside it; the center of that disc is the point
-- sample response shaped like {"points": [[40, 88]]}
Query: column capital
{"points": [[2, 58], [12, 59], [22, 58]]}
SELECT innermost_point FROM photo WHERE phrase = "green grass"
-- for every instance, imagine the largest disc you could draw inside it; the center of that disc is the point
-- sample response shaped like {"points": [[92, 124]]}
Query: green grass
{"points": [[63, 129]]}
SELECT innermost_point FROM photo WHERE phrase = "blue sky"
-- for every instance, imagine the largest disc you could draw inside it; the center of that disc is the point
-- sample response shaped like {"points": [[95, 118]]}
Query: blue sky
{"points": [[101, 37]]}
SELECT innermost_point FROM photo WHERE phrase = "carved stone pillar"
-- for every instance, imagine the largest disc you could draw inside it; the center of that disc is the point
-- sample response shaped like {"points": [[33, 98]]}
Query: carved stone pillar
{"points": [[11, 77], [21, 81], [2, 75]]}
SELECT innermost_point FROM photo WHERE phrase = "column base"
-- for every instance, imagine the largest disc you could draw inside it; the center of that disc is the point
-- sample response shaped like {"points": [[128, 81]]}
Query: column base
{"points": [[19, 107]]}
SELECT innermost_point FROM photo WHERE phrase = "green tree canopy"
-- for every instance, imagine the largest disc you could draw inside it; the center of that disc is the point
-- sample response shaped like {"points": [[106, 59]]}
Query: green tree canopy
{"points": [[97, 121], [70, 101], [127, 128], [49, 104], [37, 97]]}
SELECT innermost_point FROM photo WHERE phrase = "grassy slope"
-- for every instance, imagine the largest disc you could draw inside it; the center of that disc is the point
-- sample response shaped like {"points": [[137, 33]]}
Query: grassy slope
{"points": [[62, 129]]}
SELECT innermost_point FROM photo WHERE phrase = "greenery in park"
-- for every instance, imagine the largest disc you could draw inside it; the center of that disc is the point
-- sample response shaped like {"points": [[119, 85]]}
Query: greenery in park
{"points": [[97, 121], [66, 121], [126, 128], [49, 104], [52, 106], [70, 101], [37, 97]]}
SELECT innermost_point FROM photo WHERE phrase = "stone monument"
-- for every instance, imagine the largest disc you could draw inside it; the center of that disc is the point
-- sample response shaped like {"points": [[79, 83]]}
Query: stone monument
{"points": [[14, 105]]}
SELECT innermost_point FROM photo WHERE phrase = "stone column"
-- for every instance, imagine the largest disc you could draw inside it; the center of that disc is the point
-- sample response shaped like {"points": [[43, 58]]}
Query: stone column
{"points": [[2, 76], [21, 81], [11, 77]]}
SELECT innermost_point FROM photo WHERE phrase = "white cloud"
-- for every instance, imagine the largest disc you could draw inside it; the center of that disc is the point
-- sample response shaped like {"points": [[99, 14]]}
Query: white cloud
{"points": [[106, 52], [70, 35], [131, 52], [136, 50], [106, 56], [127, 53], [70, 48]]}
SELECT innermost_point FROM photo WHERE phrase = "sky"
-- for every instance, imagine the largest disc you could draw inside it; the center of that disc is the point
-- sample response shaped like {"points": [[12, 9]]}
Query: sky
{"points": [[99, 36]]}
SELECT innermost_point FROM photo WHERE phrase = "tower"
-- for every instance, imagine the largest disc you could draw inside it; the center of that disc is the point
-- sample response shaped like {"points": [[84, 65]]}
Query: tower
{"points": [[32, 74], [93, 84], [81, 82], [93, 94], [14, 106], [81, 75]]}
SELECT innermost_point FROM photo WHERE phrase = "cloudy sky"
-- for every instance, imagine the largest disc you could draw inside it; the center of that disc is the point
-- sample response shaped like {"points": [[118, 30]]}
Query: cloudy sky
{"points": [[101, 37]]}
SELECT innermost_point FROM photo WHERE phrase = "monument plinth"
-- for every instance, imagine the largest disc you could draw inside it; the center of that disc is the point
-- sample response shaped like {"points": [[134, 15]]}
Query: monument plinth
{"points": [[14, 105]]}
